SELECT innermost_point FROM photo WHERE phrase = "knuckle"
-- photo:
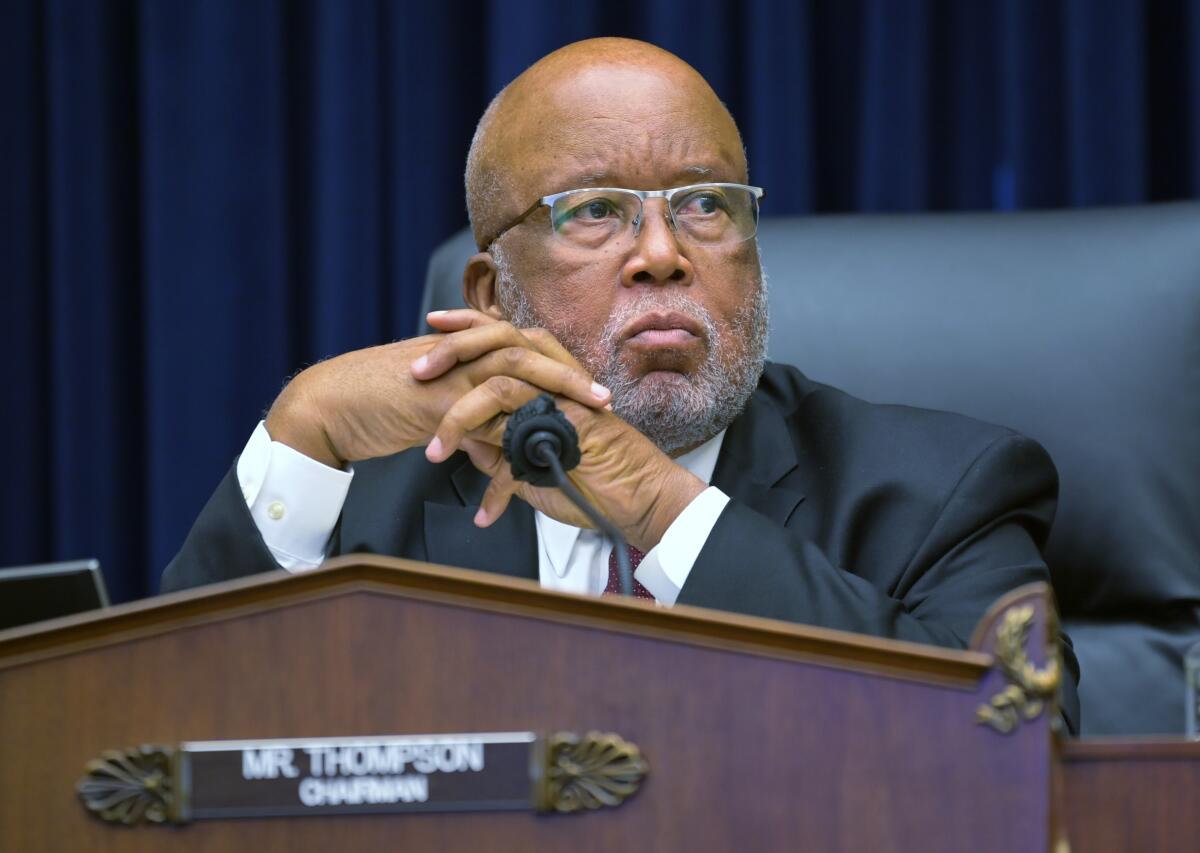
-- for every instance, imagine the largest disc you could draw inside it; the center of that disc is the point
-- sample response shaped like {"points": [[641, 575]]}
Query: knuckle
{"points": [[567, 379], [495, 425], [452, 423], [502, 387], [444, 347], [513, 357]]}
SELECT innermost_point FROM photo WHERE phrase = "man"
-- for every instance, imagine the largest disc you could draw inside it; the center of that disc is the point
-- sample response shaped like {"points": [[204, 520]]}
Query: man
{"points": [[607, 188]]}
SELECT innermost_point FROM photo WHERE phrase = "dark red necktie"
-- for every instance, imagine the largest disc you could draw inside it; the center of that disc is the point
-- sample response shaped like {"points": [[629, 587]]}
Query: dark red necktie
{"points": [[614, 578]]}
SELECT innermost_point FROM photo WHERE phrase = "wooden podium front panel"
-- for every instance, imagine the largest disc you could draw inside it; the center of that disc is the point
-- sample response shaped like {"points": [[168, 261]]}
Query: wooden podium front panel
{"points": [[746, 750], [1132, 794]]}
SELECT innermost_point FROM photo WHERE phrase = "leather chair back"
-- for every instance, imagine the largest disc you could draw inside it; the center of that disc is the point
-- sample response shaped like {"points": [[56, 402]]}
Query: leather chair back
{"points": [[1079, 328]]}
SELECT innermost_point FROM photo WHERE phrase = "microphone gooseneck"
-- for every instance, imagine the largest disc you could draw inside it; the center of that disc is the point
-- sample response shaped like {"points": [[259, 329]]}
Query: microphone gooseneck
{"points": [[541, 445]]}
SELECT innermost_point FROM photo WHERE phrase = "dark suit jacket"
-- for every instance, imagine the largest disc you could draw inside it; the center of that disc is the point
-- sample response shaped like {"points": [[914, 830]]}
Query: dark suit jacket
{"points": [[884, 520]]}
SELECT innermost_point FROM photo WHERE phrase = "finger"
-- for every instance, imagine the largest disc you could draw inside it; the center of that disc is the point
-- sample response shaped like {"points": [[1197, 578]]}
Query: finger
{"points": [[457, 319], [549, 346], [466, 345], [499, 492], [463, 342], [486, 457], [499, 395], [542, 372], [501, 349], [496, 499], [491, 433]]}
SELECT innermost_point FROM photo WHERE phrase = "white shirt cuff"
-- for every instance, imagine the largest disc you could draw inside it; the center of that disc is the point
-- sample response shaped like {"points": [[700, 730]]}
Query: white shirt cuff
{"points": [[295, 501], [667, 565]]}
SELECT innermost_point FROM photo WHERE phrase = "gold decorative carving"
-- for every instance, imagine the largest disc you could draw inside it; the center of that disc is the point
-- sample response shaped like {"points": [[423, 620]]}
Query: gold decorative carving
{"points": [[132, 786], [1029, 688], [589, 772]]}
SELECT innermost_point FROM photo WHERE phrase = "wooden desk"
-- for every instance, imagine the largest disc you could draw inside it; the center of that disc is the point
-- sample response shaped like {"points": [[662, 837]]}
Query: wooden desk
{"points": [[759, 735], [1132, 795]]}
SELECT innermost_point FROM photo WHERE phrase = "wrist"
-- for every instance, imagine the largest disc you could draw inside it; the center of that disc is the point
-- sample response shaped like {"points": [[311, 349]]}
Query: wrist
{"points": [[295, 420], [679, 488]]}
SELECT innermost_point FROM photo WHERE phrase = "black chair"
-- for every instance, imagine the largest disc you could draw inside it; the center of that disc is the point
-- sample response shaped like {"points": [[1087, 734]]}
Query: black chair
{"points": [[1078, 328]]}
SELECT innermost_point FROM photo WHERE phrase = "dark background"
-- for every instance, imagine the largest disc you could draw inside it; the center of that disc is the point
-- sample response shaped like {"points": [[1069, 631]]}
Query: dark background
{"points": [[199, 198]]}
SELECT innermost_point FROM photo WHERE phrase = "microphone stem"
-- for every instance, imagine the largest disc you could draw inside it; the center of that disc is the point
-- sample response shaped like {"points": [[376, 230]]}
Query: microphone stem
{"points": [[624, 570]]}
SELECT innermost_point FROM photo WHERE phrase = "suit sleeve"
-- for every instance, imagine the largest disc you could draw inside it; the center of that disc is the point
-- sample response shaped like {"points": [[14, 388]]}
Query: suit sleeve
{"points": [[982, 544], [224, 543]]}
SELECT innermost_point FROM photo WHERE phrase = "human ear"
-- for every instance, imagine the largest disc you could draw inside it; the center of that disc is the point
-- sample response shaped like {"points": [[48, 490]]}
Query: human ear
{"points": [[479, 285]]}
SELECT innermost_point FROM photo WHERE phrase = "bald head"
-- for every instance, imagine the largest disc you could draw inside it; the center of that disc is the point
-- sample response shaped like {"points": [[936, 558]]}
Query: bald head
{"points": [[588, 111]]}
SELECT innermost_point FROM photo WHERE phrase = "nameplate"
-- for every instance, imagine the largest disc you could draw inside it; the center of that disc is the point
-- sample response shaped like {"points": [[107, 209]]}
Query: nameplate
{"points": [[496, 771]]}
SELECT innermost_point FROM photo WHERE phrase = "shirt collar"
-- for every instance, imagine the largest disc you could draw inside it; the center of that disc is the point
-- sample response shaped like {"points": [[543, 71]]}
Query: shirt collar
{"points": [[557, 540]]}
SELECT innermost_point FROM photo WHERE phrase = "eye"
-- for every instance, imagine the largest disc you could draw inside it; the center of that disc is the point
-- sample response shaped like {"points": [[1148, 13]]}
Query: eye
{"points": [[702, 204], [596, 209], [591, 210]]}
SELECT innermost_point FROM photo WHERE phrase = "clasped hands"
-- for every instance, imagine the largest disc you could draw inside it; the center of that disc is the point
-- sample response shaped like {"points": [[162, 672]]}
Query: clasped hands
{"points": [[454, 390]]}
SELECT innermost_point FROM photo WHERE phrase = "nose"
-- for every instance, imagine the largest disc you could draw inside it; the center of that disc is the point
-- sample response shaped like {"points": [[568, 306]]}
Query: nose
{"points": [[656, 257]]}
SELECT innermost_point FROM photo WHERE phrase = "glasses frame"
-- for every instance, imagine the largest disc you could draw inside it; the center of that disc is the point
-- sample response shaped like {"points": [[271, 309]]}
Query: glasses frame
{"points": [[549, 200]]}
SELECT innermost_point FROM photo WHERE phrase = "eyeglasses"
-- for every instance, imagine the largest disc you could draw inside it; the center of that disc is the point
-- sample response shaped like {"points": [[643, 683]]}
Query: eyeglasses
{"points": [[701, 214]]}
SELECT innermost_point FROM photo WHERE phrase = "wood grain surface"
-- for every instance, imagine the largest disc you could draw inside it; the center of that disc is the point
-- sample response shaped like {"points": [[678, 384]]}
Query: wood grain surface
{"points": [[759, 736], [1136, 794]]}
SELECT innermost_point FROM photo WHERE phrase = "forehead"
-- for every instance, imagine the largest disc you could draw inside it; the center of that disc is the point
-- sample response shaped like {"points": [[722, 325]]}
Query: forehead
{"points": [[623, 127]]}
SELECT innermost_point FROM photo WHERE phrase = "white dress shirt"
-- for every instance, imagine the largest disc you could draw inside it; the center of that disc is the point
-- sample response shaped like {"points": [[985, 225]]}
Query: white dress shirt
{"points": [[295, 502]]}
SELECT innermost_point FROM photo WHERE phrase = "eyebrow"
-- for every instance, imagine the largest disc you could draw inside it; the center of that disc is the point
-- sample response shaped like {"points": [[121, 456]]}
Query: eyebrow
{"points": [[604, 179]]}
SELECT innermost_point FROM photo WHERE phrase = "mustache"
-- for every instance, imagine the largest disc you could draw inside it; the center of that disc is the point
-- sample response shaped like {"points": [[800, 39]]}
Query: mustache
{"points": [[648, 301]]}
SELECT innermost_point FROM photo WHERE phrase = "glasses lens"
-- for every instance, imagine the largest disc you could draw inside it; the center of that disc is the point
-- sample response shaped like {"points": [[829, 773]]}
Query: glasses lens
{"points": [[590, 218], [709, 215], [715, 215]]}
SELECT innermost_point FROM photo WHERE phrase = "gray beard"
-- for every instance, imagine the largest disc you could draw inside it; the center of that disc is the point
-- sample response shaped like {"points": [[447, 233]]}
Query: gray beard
{"points": [[674, 410]]}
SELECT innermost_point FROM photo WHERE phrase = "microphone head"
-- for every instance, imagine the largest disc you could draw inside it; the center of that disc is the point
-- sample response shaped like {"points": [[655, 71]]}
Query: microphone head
{"points": [[539, 423]]}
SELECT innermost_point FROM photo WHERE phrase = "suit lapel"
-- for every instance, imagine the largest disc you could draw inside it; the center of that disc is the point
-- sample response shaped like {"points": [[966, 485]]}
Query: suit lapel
{"points": [[508, 547], [756, 456]]}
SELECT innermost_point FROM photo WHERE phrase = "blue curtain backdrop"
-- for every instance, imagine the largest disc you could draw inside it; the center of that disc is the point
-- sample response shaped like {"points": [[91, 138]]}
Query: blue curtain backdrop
{"points": [[201, 197]]}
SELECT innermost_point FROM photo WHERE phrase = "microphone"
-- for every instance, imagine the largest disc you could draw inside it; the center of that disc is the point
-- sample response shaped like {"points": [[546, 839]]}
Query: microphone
{"points": [[535, 432], [541, 445]]}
